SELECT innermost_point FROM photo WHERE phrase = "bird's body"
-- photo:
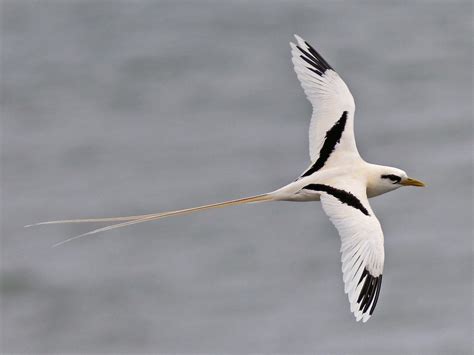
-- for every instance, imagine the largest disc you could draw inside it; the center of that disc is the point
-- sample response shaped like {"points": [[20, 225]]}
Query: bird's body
{"points": [[337, 176], [356, 170]]}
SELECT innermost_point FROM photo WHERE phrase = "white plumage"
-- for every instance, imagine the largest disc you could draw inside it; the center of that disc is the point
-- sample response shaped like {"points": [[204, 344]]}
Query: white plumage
{"points": [[361, 235], [361, 246], [329, 96], [337, 176]]}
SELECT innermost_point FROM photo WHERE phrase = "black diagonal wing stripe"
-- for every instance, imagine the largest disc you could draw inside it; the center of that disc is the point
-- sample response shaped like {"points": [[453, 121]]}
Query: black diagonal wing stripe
{"points": [[342, 195], [332, 138]]}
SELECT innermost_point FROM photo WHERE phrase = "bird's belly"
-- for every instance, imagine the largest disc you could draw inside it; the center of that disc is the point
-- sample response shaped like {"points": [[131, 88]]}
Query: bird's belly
{"points": [[373, 192]]}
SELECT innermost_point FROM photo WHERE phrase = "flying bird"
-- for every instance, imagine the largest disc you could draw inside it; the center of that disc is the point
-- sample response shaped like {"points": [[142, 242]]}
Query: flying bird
{"points": [[337, 176]]}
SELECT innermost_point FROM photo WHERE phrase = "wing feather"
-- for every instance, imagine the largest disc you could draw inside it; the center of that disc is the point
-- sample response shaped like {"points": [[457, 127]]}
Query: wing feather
{"points": [[362, 251], [329, 96]]}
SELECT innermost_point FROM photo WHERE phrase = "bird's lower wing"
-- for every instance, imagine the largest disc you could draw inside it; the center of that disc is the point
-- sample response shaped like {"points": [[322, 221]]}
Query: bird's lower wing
{"points": [[362, 244]]}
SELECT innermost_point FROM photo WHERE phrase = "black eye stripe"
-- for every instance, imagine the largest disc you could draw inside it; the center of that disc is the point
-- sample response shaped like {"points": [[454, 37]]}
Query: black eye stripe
{"points": [[392, 177]]}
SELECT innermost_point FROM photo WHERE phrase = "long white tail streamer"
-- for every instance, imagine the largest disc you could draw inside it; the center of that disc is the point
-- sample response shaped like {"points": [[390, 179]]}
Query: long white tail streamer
{"points": [[130, 220]]}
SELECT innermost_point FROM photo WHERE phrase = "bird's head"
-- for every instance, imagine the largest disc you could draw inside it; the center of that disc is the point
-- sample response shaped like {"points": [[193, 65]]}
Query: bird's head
{"points": [[393, 177], [384, 179]]}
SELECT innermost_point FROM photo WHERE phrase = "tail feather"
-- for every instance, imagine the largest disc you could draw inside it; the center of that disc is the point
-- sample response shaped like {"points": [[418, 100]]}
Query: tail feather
{"points": [[92, 220], [153, 217]]}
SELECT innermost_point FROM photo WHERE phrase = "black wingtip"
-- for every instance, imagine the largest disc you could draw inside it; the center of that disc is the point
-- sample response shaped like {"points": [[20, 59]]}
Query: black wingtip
{"points": [[318, 56], [370, 291], [316, 62]]}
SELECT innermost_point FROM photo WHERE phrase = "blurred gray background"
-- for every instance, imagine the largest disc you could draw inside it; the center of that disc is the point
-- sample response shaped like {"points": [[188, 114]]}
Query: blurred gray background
{"points": [[130, 107]]}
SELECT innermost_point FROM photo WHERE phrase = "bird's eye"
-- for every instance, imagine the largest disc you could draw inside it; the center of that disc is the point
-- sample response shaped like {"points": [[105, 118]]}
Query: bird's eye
{"points": [[396, 179]]}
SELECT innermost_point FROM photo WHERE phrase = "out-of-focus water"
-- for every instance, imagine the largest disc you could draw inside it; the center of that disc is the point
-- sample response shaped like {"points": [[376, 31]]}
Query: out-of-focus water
{"points": [[129, 107]]}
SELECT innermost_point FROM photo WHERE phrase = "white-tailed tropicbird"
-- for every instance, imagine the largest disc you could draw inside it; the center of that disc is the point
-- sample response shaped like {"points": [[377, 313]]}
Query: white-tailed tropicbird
{"points": [[337, 176]]}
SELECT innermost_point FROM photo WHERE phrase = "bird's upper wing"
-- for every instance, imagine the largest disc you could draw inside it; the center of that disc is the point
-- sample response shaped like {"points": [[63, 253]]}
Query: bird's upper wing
{"points": [[332, 122], [362, 249]]}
